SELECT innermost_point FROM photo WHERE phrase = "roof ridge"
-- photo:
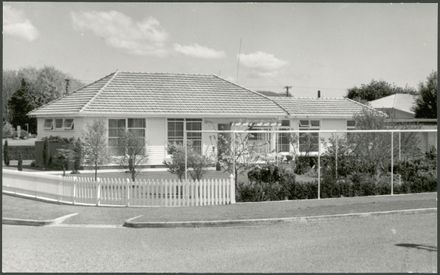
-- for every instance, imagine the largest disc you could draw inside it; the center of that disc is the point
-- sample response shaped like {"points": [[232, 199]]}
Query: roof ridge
{"points": [[257, 93], [193, 74], [365, 106], [99, 91]]}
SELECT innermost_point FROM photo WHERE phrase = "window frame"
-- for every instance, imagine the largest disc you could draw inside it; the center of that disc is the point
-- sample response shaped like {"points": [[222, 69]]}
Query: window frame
{"points": [[176, 139], [309, 126], [281, 147], [51, 124]]}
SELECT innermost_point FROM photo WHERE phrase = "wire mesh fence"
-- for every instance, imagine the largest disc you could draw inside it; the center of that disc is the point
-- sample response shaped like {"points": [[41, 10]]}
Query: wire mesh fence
{"points": [[292, 164]]}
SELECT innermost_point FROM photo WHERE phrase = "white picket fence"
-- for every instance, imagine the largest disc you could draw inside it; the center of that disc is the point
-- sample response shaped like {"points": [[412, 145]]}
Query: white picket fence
{"points": [[120, 192]]}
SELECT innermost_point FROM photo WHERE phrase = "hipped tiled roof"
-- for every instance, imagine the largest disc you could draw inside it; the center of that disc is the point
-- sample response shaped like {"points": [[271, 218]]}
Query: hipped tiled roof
{"points": [[162, 94], [402, 102], [320, 107]]}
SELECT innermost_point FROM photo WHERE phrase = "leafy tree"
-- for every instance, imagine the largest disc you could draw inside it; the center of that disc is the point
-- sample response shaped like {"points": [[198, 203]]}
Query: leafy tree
{"points": [[44, 85], [19, 105], [95, 145], [426, 104], [238, 155], [375, 90], [134, 148]]}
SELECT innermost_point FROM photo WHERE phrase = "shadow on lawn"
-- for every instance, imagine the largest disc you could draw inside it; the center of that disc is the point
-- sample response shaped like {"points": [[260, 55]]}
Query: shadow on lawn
{"points": [[430, 248]]}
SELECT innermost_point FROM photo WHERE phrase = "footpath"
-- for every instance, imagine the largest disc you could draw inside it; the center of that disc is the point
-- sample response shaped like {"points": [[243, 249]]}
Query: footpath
{"points": [[23, 211]]}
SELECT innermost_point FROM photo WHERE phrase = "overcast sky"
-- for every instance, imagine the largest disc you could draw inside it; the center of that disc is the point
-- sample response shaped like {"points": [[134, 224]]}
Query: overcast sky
{"points": [[330, 47]]}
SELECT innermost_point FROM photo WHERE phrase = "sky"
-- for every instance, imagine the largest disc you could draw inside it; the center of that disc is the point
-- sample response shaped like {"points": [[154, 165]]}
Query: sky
{"points": [[262, 46]]}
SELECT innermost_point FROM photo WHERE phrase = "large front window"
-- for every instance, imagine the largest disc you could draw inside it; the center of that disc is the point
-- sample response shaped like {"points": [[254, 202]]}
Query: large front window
{"points": [[308, 142], [283, 142], [117, 128], [176, 132]]}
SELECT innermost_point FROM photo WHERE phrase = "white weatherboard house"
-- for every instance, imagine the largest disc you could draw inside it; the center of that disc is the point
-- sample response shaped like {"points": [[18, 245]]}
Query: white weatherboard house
{"points": [[159, 106]]}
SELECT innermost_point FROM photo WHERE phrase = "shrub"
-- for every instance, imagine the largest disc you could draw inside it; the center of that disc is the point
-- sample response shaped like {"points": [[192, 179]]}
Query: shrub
{"points": [[304, 163], [33, 164], [77, 156], [8, 130], [20, 163], [6, 153], [268, 182]]}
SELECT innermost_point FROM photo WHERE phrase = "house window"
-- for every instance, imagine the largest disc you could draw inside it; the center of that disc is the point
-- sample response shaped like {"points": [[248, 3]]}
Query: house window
{"points": [[68, 124], [116, 131], [176, 132], [351, 125], [136, 126], [48, 124], [259, 141], [283, 142], [58, 123], [309, 142]]}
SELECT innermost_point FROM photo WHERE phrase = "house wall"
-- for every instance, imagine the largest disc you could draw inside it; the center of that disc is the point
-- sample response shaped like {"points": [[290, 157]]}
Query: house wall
{"points": [[79, 125], [156, 133]]}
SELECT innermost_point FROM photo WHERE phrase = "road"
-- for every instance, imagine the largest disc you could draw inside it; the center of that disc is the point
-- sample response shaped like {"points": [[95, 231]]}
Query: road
{"points": [[386, 243]]}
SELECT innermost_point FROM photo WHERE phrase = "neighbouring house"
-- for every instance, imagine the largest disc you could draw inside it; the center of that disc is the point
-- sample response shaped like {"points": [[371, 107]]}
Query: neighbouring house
{"points": [[400, 111], [158, 107]]}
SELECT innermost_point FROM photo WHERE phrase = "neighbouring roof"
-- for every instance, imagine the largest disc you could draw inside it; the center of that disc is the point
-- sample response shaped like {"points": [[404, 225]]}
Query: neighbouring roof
{"points": [[129, 93], [402, 102], [320, 107]]}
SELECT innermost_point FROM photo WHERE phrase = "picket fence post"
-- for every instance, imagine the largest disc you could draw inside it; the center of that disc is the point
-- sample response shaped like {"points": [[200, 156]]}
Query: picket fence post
{"points": [[128, 192], [74, 190], [98, 192]]}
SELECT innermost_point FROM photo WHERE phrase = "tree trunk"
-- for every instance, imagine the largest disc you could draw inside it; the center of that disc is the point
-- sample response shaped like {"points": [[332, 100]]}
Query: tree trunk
{"points": [[96, 172]]}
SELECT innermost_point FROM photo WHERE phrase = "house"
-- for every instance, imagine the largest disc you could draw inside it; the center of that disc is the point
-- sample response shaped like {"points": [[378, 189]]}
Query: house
{"points": [[400, 110], [158, 107], [396, 106]]}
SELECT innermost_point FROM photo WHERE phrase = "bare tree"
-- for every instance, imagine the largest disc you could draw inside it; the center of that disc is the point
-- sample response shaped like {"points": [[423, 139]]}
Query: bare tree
{"points": [[95, 145], [135, 153]]}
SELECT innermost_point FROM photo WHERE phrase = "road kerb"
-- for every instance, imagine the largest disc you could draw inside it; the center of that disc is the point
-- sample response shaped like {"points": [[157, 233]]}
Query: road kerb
{"points": [[33, 222], [243, 222]]}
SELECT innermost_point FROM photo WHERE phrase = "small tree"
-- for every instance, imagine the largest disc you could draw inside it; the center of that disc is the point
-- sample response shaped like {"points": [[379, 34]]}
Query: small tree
{"points": [[77, 156], [238, 155], [177, 164], [196, 163], [64, 156], [134, 148], [95, 145]]}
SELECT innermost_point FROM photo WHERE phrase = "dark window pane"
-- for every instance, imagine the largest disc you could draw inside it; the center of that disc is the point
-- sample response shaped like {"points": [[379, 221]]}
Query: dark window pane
{"points": [[285, 123], [136, 123]]}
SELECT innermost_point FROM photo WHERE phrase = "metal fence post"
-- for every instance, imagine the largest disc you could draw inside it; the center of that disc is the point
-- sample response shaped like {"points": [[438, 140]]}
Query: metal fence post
{"points": [[392, 163], [319, 165], [336, 159], [400, 176]]}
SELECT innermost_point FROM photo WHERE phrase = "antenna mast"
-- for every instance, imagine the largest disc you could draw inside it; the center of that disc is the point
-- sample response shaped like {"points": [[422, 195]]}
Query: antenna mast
{"points": [[238, 61]]}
